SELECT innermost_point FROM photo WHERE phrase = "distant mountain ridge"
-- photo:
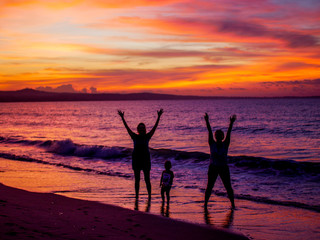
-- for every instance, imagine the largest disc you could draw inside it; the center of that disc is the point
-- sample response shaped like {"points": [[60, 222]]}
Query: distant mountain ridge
{"points": [[31, 95]]}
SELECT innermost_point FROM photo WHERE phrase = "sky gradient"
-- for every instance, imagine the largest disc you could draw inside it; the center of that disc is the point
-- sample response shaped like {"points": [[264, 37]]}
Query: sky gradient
{"points": [[212, 48]]}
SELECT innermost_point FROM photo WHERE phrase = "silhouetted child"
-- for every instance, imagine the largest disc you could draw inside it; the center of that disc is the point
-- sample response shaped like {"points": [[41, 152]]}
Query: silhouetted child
{"points": [[166, 181]]}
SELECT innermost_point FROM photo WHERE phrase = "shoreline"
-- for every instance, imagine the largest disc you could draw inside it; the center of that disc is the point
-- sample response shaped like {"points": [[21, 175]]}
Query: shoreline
{"points": [[252, 219], [27, 214]]}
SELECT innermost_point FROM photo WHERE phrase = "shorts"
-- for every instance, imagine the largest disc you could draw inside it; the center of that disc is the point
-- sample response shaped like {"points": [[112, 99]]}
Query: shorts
{"points": [[165, 188], [141, 163], [218, 170]]}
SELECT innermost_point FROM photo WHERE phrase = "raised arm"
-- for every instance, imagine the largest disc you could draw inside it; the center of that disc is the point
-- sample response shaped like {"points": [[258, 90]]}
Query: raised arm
{"points": [[156, 124], [232, 119], [210, 137], [121, 114]]}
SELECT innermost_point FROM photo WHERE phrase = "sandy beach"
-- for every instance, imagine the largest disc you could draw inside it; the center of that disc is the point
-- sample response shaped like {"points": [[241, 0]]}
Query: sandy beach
{"points": [[103, 200], [32, 215]]}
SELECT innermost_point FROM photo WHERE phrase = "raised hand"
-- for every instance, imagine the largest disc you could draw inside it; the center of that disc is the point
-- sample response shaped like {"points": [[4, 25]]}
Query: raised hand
{"points": [[121, 113], [233, 118], [160, 112], [156, 124], [206, 117], [210, 137]]}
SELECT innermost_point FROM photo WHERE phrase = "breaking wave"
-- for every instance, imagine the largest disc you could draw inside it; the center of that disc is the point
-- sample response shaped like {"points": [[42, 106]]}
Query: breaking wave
{"points": [[262, 167], [266, 165]]}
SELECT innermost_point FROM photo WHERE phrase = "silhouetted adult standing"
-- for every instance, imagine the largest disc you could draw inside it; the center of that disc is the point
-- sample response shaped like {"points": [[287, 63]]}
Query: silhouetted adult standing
{"points": [[140, 154], [218, 160]]}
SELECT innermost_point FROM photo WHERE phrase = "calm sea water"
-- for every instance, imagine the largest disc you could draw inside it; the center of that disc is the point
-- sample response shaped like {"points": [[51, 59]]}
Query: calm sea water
{"points": [[271, 128], [274, 151]]}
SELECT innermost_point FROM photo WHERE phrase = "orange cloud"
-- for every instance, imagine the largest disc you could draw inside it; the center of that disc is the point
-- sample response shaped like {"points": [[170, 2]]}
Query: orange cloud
{"points": [[45, 3], [130, 3], [17, 3], [58, 4]]}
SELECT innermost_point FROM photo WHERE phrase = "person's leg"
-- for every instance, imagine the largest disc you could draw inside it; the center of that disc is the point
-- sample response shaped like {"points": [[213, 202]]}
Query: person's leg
{"points": [[162, 194], [168, 194], [147, 180], [225, 177], [212, 177], [137, 181]]}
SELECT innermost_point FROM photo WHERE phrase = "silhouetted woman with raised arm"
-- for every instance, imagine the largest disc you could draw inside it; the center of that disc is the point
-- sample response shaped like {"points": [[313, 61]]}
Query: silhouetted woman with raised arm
{"points": [[140, 154], [218, 160]]}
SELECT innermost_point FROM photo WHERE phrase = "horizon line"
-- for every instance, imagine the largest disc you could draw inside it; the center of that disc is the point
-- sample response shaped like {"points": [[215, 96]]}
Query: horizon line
{"points": [[152, 93]]}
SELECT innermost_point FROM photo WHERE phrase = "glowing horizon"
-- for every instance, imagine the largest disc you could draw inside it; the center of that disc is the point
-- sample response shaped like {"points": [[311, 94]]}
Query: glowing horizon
{"points": [[213, 48]]}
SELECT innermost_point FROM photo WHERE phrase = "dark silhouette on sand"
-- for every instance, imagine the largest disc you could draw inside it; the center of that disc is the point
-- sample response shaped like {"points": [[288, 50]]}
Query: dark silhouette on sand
{"points": [[218, 160], [141, 155], [166, 181]]}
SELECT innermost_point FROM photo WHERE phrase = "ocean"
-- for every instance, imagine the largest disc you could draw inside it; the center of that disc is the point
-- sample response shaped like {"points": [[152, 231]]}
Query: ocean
{"points": [[274, 155]]}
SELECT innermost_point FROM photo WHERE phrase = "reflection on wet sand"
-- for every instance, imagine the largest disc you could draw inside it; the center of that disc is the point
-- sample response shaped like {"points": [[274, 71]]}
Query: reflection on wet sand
{"points": [[227, 223], [165, 211], [148, 205]]}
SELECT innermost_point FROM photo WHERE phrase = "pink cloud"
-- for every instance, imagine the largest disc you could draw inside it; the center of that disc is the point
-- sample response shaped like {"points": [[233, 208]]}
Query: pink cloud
{"points": [[158, 53], [236, 30]]}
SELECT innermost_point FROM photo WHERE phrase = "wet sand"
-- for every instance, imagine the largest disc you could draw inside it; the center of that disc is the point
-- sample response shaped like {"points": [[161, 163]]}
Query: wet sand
{"points": [[39, 216], [49, 216]]}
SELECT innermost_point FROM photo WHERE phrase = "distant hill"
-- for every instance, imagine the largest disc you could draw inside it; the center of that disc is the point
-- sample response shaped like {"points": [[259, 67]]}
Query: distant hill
{"points": [[31, 95]]}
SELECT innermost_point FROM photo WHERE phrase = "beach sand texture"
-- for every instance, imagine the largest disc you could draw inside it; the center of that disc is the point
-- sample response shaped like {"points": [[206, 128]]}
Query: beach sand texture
{"points": [[255, 220], [28, 215]]}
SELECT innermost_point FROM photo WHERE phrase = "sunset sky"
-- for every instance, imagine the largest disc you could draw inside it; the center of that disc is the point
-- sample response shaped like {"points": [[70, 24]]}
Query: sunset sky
{"points": [[203, 47]]}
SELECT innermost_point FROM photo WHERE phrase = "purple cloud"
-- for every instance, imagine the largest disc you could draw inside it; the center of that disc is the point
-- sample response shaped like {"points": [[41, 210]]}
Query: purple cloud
{"points": [[63, 88], [247, 29], [313, 82], [67, 88]]}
